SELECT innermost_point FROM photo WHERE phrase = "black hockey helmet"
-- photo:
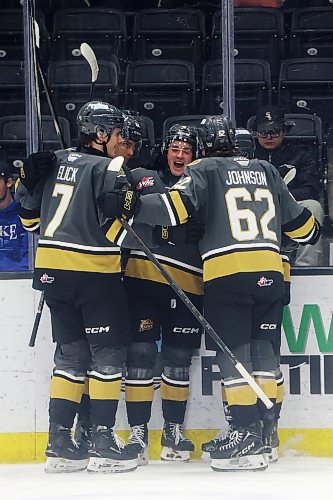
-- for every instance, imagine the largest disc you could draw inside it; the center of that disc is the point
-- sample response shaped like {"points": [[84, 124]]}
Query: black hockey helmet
{"points": [[131, 130], [97, 116], [245, 144], [183, 133], [218, 135]]}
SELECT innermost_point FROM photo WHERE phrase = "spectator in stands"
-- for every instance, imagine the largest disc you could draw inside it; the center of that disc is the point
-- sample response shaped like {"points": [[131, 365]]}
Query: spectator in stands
{"points": [[13, 238], [273, 145]]}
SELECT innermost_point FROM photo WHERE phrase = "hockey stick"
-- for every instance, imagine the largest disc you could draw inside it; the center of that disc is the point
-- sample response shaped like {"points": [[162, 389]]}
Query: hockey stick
{"points": [[199, 317], [88, 53]]}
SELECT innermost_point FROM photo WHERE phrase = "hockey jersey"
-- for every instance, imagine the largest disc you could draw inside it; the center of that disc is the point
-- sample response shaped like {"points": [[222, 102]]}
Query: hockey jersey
{"points": [[182, 262], [75, 236], [246, 205]]}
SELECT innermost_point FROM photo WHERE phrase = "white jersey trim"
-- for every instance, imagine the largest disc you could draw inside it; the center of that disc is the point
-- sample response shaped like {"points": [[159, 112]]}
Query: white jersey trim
{"points": [[162, 258], [169, 209], [64, 244], [239, 246]]}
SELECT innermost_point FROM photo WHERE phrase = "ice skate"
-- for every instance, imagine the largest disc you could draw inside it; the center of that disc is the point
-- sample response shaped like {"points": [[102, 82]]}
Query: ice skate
{"points": [[244, 450], [107, 452], [63, 453], [138, 443], [176, 446], [271, 442], [215, 443], [82, 434]]}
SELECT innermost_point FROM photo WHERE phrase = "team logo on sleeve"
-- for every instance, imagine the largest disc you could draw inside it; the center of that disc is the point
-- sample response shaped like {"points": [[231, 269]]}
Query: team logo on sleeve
{"points": [[265, 282], [145, 182]]}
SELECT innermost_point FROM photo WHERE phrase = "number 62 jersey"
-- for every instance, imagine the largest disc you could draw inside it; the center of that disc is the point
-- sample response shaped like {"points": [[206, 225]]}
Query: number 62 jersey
{"points": [[245, 206]]}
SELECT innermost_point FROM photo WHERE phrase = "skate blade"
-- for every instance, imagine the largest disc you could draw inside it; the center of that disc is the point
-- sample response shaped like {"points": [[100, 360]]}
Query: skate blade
{"points": [[272, 457], [205, 457], [107, 465], [143, 458], [170, 455], [56, 465], [248, 463]]}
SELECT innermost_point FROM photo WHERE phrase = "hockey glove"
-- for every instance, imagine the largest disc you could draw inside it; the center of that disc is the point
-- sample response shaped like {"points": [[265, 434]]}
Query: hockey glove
{"points": [[189, 233], [35, 168], [120, 203]]}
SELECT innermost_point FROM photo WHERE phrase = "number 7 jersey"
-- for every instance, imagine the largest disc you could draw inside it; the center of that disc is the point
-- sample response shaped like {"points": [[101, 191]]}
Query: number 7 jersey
{"points": [[245, 205]]}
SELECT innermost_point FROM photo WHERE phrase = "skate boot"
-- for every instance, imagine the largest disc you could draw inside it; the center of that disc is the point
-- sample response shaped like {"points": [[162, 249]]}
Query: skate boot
{"points": [[216, 442], [244, 450], [107, 452], [176, 446], [138, 443], [82, 434], [63, 453], [271, 441]]}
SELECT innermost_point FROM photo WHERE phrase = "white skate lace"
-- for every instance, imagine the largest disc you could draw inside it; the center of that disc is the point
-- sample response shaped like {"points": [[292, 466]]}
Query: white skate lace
{"points": [[75, 443], [235, 438], [177, 432], [119, 442], [137, 435]]}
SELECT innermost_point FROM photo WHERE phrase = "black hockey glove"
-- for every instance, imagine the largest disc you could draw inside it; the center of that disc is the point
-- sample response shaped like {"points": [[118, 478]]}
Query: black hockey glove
{"points": [[35, 168], [284, 169], [189, 233], [316, 235], [120, 203]]}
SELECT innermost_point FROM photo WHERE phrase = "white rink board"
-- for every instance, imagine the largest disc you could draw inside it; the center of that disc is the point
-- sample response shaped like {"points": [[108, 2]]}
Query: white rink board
{"points": [[25, 372]]}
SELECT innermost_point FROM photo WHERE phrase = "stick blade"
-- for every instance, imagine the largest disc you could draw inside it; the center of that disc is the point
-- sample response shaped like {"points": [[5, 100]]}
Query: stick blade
{"points": [[88, 53]]}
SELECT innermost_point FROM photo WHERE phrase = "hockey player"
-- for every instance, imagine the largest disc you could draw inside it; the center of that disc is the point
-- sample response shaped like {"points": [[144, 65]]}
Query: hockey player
{"points": [[244, 204], [154, 309], [78, 268]]}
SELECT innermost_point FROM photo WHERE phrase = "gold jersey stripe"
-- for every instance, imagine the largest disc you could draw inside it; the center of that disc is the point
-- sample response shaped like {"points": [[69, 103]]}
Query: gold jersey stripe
{"points": [[30, 222], [241, 395], [179, 206], [67, 260], [268, 386], [280, 393], [102, 389], [144, 269], [64, 389], [135, 394], [302, 231], [242, 262], [114, 231], [173, 393]]}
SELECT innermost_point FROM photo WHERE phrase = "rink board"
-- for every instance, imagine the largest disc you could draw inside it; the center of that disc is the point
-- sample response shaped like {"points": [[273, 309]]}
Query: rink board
{"points": [[307, 364]]}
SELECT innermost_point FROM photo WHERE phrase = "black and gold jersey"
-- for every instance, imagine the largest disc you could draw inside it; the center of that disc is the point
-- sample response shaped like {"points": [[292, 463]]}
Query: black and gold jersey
{"points": [[183, 262], [246, 206], [75, 236]]}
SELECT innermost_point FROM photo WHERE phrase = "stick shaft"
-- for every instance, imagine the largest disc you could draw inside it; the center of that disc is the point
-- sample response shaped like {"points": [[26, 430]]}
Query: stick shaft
{"points": [[200, 318]]}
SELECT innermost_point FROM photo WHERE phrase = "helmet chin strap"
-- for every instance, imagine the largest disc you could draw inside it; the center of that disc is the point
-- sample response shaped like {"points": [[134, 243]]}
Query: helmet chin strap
{"points": [[104, 144]]}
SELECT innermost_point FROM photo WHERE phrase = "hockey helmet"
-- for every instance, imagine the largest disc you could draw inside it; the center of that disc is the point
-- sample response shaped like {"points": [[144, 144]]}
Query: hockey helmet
{"points": [[131, 130], [97, 116], [218, 134], [183, 133], [245, 144]]}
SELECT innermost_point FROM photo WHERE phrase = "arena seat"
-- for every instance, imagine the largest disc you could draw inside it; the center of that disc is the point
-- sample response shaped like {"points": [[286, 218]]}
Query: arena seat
{"points": [[312, 32]]}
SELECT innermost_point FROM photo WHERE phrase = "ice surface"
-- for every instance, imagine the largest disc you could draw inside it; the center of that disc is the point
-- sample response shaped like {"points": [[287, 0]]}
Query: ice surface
{"points": [[297, 478]]}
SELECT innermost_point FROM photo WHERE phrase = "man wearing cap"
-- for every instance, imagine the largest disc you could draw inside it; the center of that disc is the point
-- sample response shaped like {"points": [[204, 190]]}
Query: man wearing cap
{"points": [[13, 238], [272, 145]]}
